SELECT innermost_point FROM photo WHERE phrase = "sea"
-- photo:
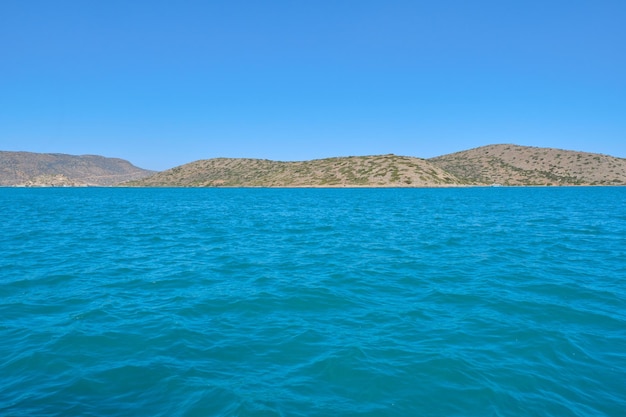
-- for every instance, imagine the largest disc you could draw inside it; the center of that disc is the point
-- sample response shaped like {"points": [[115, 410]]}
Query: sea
{"points": [[494, 301]]}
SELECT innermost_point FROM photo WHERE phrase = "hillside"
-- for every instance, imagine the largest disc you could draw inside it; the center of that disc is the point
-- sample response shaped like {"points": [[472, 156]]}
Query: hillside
{"points": [[524, 165], [361, 171], [45, 169], [487, 165]]}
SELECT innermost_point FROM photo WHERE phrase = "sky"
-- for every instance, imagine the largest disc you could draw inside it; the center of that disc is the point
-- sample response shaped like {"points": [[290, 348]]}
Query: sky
{"points": [[162, 83]]}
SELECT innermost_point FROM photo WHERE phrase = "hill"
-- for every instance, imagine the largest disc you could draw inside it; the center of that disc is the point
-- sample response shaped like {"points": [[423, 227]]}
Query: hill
{"points": [[487, 165], [524, 165], [52, 169], [355, 171]]}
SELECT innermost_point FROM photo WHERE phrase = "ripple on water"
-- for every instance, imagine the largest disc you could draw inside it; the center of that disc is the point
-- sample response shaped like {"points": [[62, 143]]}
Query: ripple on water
{"points": [[193, 302]]}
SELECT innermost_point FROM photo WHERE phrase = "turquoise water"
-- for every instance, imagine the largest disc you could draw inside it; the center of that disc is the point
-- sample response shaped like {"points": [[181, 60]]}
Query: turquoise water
{"points": [[313, 302]]}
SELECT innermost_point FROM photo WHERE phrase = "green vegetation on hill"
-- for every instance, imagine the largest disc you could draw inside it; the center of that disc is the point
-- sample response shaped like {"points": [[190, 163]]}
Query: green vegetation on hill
{"points": [[493, 164], [524, 165], [487, 165], [363, 171]]}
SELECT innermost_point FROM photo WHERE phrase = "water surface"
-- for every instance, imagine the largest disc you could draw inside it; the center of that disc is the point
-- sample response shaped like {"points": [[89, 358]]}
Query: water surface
{"points": [[313, 302]]}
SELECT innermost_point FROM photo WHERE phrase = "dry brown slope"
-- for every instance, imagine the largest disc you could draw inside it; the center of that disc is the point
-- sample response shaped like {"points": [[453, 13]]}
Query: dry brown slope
{"points": [[525, 165], [52, 169], [356, 171]]}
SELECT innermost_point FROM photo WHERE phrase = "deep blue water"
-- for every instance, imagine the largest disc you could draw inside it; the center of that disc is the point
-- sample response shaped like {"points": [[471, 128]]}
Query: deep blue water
{"points": [[313, 302]]}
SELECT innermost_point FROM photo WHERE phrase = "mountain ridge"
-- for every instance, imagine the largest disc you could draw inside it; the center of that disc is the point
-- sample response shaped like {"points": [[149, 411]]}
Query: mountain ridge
{"points": [[503, 164], [509, 164], [352, 171], [498, 164], [57, 169]]}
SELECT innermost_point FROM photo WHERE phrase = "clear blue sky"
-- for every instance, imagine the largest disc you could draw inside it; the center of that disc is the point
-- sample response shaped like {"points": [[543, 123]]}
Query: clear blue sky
{"points": [[162, 83]]}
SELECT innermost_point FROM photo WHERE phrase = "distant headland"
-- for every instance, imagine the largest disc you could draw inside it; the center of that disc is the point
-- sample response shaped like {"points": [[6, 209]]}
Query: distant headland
{"points": [[28, 169], [487, 165]]}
